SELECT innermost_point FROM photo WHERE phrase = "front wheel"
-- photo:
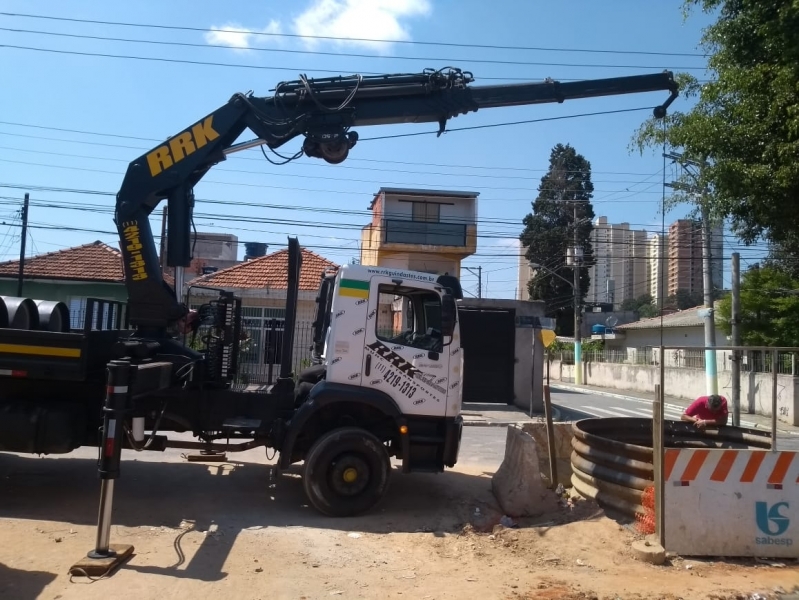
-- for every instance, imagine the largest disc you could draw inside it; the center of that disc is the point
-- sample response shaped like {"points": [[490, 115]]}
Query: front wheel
{"points": [[347, 472]]}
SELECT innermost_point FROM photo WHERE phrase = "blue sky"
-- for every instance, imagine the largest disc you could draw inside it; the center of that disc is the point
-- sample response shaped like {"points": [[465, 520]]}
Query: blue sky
{"points": [[126, 99]]}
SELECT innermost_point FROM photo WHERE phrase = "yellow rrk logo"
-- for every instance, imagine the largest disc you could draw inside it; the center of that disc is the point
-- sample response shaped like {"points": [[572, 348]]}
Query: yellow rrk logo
{"points": [[181, 146]]}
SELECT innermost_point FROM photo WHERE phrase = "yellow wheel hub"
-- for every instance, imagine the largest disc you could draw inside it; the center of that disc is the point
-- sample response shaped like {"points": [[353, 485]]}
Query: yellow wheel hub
{"points": [[350, 475]]}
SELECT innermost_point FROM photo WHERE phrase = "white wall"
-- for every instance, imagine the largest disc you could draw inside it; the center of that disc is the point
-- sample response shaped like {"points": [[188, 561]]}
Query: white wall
{"points": [[689, 384]]}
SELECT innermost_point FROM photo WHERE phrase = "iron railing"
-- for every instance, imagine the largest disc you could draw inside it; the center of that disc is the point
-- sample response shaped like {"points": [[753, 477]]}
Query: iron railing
{"points": [[752, 361]]}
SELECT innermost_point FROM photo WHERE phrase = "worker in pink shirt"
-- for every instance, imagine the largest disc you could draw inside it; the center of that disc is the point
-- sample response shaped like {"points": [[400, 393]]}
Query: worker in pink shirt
{"points": [[707, 410]]}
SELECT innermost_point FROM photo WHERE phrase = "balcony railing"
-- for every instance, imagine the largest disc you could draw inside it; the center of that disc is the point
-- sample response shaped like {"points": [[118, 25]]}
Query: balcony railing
{"points": [[422, 233]]}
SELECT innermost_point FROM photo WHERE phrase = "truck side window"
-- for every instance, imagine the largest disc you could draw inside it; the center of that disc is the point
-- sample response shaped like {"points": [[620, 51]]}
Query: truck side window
{"points": [[409, 317]]}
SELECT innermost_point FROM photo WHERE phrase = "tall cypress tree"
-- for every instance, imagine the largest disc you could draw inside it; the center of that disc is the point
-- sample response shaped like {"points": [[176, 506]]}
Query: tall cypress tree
{"points": [[549, 232]]}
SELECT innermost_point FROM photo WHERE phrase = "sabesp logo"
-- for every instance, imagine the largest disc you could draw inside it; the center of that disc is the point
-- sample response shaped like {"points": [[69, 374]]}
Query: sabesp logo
{"points": [[773, 523], [766, 517]]}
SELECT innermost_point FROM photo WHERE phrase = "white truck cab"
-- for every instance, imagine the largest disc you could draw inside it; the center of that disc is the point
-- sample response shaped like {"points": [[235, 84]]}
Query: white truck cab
{"points": [[386, 333], [390, 338]]}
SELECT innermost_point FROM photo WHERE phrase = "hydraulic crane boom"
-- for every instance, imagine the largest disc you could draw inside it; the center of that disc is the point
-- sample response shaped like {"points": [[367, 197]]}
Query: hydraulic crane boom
{"points": [[322, 110]]}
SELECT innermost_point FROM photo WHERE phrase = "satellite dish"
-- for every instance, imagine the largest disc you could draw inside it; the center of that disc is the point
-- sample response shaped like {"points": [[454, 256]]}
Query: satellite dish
{"points": [[611, 321]]}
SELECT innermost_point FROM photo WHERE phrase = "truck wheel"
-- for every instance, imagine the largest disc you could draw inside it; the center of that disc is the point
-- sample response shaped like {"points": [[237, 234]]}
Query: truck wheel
{"points": [[346, 472]]}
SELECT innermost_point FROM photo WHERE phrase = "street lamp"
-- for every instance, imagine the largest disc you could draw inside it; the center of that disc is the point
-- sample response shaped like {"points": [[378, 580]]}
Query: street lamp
{"points": [[578, 347]]}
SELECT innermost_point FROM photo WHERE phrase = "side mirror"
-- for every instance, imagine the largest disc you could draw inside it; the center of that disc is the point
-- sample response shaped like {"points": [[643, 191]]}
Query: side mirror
{"points": [[449, 315]]}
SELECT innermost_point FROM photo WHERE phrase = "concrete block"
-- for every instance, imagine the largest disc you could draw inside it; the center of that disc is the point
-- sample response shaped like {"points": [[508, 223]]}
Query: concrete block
{"points": [[517, 484], [650, 552], [563, 450]]}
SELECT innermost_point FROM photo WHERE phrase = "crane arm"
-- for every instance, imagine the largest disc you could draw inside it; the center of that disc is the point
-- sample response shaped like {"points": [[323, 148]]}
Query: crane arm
{"points": [[323, 111]]}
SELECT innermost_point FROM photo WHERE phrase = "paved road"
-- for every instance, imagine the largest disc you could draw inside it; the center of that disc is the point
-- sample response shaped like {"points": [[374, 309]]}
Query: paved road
{"points": [[483, 446], [576, 405]]}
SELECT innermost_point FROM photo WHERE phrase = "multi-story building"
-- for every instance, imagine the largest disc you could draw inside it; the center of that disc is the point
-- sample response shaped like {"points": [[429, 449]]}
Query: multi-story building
{"points": [[619, 271], [685, 257], [211, 252], [657, 267], [422, 230]]}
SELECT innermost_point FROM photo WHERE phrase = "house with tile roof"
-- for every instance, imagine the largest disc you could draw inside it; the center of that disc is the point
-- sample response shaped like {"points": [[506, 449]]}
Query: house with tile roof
{"points": [[641, 339], [261, 284], [71, 276]]}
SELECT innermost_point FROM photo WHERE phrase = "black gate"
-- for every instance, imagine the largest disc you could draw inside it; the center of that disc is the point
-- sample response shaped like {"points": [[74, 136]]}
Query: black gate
{"points": [[488, 338]]}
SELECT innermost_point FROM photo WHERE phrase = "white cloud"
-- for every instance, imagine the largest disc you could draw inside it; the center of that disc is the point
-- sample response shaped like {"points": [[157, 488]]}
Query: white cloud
{"points": [[241, 38], [372, 19]]}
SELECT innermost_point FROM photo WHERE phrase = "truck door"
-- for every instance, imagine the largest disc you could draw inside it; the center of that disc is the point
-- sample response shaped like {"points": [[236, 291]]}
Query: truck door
{"points": [[405, 357]]}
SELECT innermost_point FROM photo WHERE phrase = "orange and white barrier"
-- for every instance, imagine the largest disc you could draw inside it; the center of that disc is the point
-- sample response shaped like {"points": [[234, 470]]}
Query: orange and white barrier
{"points": [[731, 502]]}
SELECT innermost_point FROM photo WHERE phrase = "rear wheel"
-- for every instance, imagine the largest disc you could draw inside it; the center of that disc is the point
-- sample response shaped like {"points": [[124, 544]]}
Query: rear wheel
{"points": [[346, 472]]}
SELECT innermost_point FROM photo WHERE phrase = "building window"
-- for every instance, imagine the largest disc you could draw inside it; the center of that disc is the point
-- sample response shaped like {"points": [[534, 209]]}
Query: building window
{"points": [[429, 212], [78, 307]]}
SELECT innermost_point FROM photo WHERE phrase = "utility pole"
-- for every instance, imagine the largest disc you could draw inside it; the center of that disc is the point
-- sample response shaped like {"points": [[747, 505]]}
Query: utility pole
{"points": [[735, 321], [711, 374], [22, 245], [162, 253], [578, 321], [479, 279], [694, 170]]}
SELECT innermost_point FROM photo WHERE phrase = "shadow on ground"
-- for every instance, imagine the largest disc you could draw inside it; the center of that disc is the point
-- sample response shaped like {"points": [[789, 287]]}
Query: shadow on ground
{"points": [[233, 496], [248, 494], [16, 584]]}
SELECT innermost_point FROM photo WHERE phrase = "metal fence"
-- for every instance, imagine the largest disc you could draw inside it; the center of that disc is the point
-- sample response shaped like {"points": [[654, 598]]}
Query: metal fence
{"points": [[752, 361], [260, 350]]}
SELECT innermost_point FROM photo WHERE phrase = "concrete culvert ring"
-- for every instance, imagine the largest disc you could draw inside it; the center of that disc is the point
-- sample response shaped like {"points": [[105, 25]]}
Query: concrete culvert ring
{"points": [[612, 458]]}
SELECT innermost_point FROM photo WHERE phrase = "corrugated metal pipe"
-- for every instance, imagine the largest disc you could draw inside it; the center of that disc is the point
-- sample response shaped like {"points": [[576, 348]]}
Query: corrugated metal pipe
{"points": [[612, 458]]}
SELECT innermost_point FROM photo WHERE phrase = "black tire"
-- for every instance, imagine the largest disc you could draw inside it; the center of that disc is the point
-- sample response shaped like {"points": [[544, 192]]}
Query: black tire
{"points": [[329, 466]]}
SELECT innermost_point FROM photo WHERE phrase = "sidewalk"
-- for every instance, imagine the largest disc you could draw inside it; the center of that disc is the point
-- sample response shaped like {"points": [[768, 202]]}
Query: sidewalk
{"points": [[500, 415], [752, 421]]}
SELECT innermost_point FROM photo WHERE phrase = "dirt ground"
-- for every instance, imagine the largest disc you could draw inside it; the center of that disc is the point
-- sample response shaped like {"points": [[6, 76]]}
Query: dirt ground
{"points": [[229, 530]]}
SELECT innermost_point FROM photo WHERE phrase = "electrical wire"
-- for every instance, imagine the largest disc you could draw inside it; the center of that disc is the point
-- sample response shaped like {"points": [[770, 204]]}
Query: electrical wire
{"points": [[349, 159], [348, 54], [345, 39]]}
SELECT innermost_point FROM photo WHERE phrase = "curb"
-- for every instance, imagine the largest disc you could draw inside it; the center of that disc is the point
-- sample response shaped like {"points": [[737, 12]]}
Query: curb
{"points": [[573, 388], [556, 417]]}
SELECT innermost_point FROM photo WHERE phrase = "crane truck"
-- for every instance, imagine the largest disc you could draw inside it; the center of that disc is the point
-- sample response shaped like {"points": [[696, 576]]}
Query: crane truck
{"points": [[388, 372]]}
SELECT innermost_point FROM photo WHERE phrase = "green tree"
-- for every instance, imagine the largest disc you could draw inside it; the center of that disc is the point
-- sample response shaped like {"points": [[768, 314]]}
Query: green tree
{"points": [[745, 122], [683, 299], [642, 305], [769, 308], [549, 231]]}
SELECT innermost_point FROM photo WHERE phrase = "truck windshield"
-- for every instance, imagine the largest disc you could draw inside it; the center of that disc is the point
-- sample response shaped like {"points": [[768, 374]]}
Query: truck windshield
{"points": [[409, 317]]}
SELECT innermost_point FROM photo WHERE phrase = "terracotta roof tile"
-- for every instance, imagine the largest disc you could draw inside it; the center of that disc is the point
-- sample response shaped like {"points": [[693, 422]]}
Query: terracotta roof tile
{"points": [[91, 262], [270, 271]]}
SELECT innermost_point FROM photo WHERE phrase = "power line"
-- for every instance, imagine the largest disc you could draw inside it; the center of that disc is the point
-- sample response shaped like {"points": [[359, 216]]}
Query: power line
{"points": [[239, 156], [326, 191], [99, 209], [317, 165], [351, 39], [348, 54], [206, 63]]}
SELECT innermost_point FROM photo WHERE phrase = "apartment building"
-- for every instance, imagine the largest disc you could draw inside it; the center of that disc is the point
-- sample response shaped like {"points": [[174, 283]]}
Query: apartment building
{"points": [[619, 271], [657, 267], [421, 230], [685, 256]]}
